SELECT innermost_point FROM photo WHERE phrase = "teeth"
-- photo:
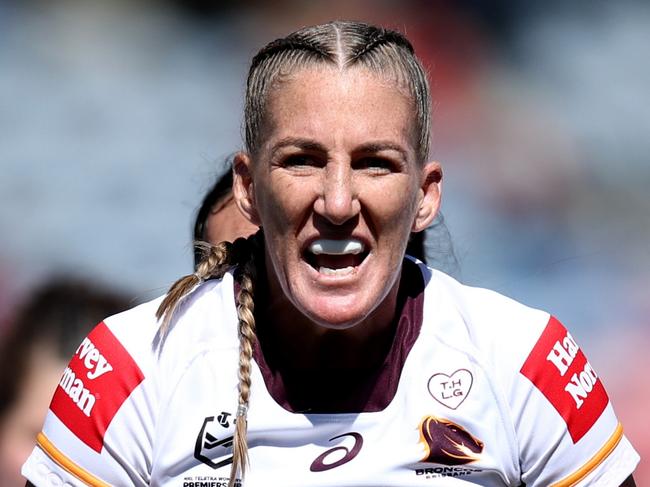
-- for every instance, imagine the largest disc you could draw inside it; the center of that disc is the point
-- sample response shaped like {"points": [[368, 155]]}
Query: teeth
{"points": [[336, 272], [336, 247]]}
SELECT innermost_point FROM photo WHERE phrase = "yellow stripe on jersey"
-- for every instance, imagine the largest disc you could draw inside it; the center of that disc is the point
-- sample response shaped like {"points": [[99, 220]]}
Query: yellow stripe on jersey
{"points": [[64, 462], [596, 460]]}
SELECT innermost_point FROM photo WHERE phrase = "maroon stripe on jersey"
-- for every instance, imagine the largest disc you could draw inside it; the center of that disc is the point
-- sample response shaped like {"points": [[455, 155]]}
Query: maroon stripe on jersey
{"points": [[352, 390]]}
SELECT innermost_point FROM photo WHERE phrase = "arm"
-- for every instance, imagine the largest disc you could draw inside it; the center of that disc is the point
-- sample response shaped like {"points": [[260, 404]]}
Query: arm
{"points": [[582, 434], [92, 402]]}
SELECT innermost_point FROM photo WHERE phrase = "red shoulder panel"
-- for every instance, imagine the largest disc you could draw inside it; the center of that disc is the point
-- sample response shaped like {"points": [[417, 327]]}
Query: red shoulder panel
{"points": [[559, 369], [97, 381]]}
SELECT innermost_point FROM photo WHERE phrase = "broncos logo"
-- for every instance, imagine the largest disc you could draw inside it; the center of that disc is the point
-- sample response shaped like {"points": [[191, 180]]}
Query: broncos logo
{"points": [[448, 443]]}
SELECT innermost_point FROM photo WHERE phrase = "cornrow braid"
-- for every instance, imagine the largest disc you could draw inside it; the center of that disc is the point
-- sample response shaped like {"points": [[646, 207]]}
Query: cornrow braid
{"points": [[266, 66], [288, 44], [344, 44], [379, 37]]}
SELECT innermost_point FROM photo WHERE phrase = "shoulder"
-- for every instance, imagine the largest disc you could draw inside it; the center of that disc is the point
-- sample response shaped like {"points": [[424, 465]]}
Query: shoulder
{"points": [[513, 343], [104, 415], [202, 318], [538, 370], [126, 353], [496, 326]]}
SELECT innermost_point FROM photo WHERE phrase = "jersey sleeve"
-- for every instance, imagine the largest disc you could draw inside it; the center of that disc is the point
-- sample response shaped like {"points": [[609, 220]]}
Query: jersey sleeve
{"points": [[99, 427], [567, 431]]}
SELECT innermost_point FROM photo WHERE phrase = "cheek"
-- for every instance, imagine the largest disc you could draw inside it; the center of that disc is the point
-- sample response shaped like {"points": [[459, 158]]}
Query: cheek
{"points": [[281, 204], [392, 208]]}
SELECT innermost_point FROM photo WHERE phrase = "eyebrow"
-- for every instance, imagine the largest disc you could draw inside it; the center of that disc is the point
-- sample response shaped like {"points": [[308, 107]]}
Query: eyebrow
{"points": [[300, 143], [379, 146]]}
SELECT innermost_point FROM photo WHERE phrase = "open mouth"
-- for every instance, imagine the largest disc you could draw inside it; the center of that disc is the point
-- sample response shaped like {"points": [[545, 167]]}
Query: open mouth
{"points": [[335, 257]]}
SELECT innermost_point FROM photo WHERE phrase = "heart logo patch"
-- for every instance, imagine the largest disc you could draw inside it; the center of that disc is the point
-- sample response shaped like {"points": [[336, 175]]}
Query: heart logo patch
{"points": [[451, 390]]}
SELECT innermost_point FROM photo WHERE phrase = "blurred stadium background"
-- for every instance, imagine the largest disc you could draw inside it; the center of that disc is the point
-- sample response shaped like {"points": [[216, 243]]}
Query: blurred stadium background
{"points": [[115, 117]]}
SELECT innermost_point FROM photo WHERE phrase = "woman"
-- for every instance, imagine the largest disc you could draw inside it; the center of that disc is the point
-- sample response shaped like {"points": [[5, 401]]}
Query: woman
{"points": [[218, 219], [315, 348]]}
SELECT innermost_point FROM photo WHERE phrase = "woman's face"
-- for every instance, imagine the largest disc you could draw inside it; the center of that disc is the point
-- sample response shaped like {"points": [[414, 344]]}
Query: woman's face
{"points": [[337, 188]]}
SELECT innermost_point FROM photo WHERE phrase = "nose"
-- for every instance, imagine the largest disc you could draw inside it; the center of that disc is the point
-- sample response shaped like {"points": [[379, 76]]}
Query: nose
{"points": [[338, 201]]}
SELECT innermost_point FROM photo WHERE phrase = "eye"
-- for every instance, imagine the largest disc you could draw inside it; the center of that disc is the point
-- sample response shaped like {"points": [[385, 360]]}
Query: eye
{"points": [[301, 161], [374, 164]]}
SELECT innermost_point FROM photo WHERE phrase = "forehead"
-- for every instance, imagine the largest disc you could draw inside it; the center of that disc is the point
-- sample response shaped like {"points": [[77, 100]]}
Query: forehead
{"points": [[328, 102]]}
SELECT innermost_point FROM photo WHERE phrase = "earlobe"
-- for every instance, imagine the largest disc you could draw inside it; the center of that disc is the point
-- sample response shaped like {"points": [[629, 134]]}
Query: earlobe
{"points": [[243, 187], [431, 189]]}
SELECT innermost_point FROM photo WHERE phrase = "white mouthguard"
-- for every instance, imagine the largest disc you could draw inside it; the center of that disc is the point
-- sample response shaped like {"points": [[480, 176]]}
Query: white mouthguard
{"points": [[336, 247]]}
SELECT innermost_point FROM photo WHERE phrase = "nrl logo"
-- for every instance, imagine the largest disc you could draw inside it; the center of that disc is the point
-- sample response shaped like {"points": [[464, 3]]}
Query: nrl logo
{"points": [[209, 446], [451, 390]]}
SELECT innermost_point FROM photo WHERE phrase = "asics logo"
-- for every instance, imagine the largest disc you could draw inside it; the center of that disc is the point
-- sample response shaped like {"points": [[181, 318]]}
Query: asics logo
{"points": [[325, 461]]}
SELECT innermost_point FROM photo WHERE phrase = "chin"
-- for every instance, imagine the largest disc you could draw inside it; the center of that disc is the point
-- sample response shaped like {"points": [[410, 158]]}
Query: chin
{"points": [[338, 314], [338, 302], [337, 321]]}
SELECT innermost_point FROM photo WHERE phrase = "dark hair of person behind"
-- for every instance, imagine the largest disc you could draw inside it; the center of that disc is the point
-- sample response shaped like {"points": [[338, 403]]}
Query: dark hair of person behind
{"points": [[438, 246], [220, 190], [60, 312]]}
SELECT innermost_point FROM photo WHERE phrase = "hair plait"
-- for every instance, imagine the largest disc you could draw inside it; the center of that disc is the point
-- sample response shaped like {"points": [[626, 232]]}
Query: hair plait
{"points": [[216, 261], [245, 275], [287, 44], [381, 36]]}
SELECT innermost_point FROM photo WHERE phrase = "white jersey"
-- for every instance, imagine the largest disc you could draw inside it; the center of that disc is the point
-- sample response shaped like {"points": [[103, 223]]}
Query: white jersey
{"points": [[478, 390]]}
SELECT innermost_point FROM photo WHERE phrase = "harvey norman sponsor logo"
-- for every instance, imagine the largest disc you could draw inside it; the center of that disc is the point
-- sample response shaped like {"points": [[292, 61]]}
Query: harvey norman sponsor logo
{"points": [[560, 370], [99, 378], [96, 366]]}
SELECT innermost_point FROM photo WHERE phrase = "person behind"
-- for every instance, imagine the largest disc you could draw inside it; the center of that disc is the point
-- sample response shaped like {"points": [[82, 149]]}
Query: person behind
{"points": [[313, 353], [44, 334], [218, 219]]}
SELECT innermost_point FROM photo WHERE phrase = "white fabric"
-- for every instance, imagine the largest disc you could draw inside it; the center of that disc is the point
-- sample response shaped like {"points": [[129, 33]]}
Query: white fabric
{"points": [[471, 335]]}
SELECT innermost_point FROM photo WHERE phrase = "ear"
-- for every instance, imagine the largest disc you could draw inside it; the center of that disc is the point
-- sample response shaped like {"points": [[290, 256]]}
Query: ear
{"points": [[430, 191], [243, 188]]}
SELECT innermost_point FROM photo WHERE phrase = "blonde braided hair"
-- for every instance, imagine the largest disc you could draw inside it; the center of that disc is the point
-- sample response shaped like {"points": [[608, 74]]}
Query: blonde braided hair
{"points": [[217, 260]]}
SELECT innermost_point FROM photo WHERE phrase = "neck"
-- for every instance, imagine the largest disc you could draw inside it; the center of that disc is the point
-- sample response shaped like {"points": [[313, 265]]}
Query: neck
{"points": [[308, 368], [291, 341]]}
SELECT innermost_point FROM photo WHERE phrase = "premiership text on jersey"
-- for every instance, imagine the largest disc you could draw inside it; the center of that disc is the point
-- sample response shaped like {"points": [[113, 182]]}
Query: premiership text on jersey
{"points": [[560, 370], [99, 378]]}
